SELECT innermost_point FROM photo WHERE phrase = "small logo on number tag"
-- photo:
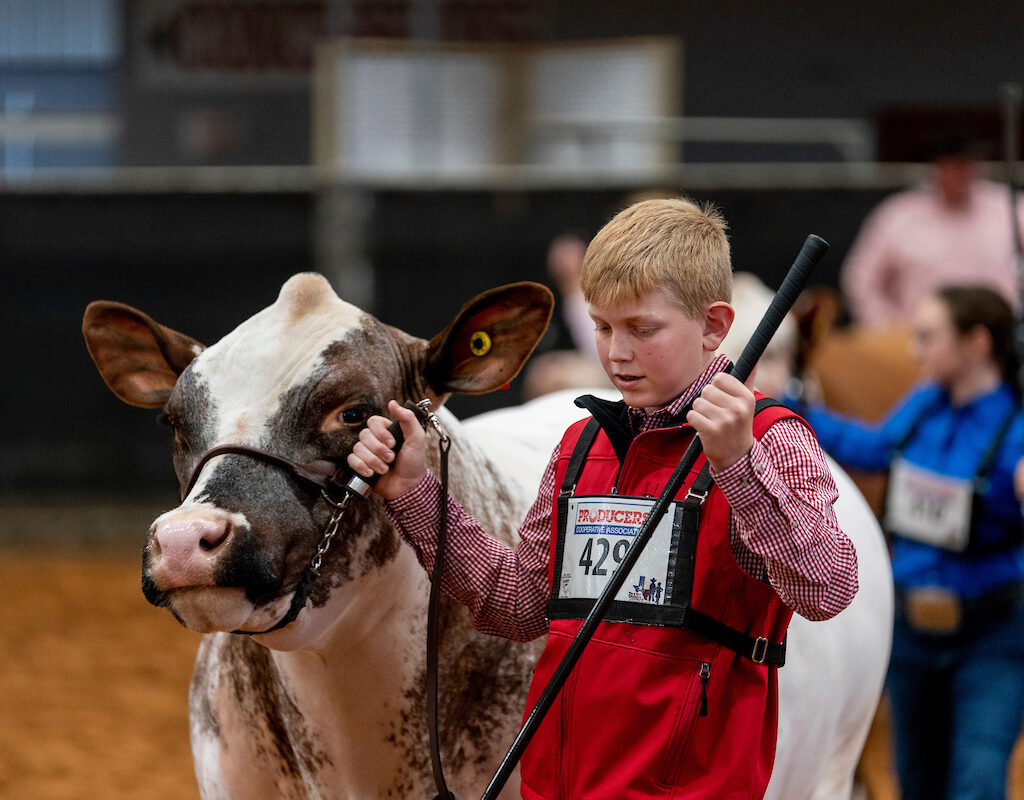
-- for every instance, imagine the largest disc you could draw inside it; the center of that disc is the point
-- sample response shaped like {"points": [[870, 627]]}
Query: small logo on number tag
{"points": [[644, 592]]}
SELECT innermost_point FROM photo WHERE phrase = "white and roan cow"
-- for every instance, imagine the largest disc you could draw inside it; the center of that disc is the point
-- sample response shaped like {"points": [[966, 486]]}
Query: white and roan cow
{"points": [[332, 705]]}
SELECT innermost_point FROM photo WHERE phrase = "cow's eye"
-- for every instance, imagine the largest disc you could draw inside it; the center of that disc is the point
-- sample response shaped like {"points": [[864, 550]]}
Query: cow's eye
{"points": [[168, 419], [350, 417], [172, 422], [354, 416]]}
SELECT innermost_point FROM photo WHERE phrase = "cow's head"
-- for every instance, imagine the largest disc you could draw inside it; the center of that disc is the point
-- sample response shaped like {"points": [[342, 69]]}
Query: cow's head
{"points": [[298, 379]]}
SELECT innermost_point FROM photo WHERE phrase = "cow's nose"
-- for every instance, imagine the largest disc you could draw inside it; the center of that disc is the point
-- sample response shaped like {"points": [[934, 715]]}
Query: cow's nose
{"points": [[188, 535], [183, 550], [212, 536]]}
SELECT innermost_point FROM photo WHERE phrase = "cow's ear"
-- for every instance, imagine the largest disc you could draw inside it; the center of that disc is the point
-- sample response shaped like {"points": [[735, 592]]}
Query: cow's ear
{"points": [[138, 358], [489, 340]]}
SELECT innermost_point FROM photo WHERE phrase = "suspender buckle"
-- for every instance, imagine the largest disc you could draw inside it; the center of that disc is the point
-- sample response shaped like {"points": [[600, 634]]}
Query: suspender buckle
{"points": [[760, 650], [700, 497]]}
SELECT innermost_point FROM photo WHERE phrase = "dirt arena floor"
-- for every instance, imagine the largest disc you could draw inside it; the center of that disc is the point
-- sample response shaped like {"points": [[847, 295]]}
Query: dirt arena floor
{"points": [[94, 680], [94, 683]]}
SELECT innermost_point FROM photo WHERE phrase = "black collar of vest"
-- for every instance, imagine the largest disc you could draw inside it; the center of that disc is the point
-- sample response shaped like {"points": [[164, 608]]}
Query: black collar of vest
{"points": [[613, 417]]}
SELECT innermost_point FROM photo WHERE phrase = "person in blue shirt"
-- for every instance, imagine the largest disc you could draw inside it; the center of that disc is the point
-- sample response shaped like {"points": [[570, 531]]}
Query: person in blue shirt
{"points": [[953, 447]]}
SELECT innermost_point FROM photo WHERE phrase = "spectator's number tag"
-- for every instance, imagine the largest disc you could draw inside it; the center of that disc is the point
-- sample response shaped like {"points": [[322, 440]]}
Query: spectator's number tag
{"points": [[599, 531], [928, 507]]}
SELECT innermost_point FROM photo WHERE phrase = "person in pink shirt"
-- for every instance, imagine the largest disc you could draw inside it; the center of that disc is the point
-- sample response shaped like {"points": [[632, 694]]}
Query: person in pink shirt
{"points": [[955, 229]]}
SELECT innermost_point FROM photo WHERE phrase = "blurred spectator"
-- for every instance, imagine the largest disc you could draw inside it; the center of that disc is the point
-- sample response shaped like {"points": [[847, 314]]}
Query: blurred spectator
{"points": [[556, 370], [953, 447], [573, 361], [774, 373], [565, 260], [955, 229]]}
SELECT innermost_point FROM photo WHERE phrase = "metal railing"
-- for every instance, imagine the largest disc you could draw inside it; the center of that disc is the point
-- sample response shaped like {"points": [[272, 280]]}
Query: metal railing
{"points": [[851, 140]]}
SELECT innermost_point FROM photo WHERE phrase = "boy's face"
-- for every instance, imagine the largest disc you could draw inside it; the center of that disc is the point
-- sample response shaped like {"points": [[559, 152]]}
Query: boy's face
{"points": [[652, 350]]}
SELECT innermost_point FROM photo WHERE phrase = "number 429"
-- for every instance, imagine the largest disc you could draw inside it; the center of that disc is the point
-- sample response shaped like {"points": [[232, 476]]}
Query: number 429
{"points": [[605, 548]]}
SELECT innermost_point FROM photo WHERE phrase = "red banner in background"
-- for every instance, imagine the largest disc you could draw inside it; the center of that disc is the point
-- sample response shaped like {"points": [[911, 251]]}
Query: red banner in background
{"points": [[249, 37]]}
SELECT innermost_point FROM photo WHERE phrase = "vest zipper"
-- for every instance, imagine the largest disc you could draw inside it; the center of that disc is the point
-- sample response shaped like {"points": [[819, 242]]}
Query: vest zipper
{"points": [[705, 676]]}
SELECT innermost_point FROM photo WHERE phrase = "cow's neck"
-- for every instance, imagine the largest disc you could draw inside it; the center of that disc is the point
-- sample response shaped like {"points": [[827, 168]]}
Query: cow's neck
{"points": [[354, 681]]}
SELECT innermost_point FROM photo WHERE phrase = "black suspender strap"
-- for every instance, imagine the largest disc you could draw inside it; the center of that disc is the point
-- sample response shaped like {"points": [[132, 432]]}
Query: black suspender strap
{"points": [[579, 455], [994, 448], [572, 473], [686, 555], [759, 650]]}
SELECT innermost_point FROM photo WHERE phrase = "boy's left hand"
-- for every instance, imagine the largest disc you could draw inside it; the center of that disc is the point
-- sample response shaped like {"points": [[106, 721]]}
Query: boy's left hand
{"points": [[723, 416]]}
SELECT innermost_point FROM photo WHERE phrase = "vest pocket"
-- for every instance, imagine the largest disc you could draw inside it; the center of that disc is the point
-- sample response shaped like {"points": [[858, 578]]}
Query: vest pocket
{"points": [[693, 705]]}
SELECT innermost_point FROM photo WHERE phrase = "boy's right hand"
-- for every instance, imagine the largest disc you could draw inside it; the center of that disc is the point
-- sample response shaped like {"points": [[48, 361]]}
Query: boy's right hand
{"points": [[373, 453]]}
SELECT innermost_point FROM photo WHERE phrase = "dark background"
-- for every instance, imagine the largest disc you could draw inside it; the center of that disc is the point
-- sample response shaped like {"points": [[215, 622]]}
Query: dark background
{"points": [[202, 261]]}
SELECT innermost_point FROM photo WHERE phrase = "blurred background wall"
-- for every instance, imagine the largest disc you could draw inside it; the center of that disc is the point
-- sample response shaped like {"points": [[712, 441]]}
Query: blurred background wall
{"points": [[186, 156]]}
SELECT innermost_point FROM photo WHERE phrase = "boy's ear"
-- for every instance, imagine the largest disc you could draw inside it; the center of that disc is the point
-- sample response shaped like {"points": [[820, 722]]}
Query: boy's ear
{"points": [[717, 321]]}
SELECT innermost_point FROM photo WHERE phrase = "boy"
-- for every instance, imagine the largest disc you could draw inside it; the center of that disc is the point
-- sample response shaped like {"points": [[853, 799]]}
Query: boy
{"points": [[676, 694]]}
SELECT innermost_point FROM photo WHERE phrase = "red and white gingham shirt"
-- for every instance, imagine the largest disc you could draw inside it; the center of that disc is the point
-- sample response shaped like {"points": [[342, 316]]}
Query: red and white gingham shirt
{"points": [[783, 530]]}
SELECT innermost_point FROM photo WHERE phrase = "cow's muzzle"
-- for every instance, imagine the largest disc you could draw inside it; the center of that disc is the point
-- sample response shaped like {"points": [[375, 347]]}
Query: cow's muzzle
{"points": [[337, 484]]}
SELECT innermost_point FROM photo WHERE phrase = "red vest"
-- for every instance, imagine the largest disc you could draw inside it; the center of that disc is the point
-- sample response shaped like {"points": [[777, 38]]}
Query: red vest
{"points": [[653, 711]]}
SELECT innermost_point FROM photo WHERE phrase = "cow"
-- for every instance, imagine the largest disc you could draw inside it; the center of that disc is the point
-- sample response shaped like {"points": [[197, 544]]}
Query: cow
{"points": [[331, 705]]}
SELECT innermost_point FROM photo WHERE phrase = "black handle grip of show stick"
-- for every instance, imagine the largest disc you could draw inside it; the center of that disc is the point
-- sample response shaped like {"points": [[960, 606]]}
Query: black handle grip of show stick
{"points": [[813, 249]]}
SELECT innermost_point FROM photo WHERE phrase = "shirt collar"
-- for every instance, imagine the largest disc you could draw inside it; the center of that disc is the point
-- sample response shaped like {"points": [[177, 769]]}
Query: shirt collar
{"points": [[640, 420]]}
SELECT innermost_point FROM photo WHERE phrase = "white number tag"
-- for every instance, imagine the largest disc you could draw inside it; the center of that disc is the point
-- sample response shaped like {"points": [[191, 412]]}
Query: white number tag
{"points": [[599, 531], [928, 507]]}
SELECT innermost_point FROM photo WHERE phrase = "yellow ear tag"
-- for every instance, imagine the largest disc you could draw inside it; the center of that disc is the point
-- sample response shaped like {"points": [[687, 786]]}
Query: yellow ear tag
{"points": [[480, 343]]}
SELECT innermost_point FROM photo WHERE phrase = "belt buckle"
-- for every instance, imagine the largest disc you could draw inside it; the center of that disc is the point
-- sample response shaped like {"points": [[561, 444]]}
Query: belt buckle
{"points": [[934, 610], [760, 650]]}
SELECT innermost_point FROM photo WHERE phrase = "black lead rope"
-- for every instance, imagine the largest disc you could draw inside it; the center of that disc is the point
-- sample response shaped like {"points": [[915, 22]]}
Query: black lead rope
{"points": [[433, 634]]}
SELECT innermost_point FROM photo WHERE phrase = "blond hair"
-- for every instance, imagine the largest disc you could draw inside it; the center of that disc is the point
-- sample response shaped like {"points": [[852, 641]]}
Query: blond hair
{"points": [[671, 245]]}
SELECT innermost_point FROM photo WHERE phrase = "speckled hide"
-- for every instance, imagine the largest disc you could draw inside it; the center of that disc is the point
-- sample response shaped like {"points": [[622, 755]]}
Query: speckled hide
{"points": [[331, 705]]}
